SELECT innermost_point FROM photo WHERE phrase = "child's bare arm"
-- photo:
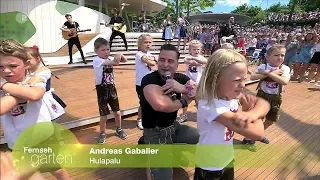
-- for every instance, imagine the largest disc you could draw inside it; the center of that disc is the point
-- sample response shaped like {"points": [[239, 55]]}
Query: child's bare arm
{"points": [[276, 76], [258, 107], [259, 75], [242, 123], [149, 60], [191, 61], [110, 63], [33, 93], [7, 103], [200, 60], [35, 80]]}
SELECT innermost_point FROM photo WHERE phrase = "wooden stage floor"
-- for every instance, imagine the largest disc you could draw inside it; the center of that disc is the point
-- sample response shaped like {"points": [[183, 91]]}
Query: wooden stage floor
{"points": [[294, 140]]}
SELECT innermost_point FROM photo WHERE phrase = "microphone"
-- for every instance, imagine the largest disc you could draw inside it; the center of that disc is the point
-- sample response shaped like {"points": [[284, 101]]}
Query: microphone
{"points": [[173, 95]]}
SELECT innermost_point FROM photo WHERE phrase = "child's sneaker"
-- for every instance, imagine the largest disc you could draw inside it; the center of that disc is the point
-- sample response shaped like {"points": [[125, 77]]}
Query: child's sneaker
{"points": [[102, 138], [249, 145], [139, 124], [120, 132], [317, 84], [265, 140]]}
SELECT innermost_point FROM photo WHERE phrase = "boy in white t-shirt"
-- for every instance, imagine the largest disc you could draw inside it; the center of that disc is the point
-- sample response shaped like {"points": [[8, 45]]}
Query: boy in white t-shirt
{"points": [[144, 63], [273, 76], [194, 67], [105, 87]]}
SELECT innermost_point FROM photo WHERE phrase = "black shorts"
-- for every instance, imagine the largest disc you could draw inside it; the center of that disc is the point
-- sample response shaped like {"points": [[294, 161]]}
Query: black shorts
{"points": [[315, 58], [275, 101], [107, 94], [225, 174], [138, 90]]}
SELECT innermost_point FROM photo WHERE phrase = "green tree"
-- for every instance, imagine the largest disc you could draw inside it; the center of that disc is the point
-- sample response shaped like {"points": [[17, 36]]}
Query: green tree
{"points": [[278, 8], [182, 6], [255, 12]]}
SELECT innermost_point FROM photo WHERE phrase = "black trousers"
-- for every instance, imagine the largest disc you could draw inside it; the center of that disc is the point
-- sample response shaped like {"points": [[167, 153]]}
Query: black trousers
{"points": [[75, 41], [115, 34]]}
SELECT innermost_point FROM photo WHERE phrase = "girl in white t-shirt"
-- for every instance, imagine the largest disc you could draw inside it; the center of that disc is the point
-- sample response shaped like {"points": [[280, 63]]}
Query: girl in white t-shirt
{"points": [[194, 66], [219, 94], [39, 72], [145, 63], [25, 104]]}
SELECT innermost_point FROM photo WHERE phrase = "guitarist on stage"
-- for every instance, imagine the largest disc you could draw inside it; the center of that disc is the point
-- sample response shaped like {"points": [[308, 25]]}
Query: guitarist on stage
{"points": [[74, 40], [227, 30], [117, 19]]}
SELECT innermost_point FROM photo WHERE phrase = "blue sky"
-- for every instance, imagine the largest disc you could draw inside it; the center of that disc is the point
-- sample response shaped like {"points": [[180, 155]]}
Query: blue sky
{"points": [[229, 5]]}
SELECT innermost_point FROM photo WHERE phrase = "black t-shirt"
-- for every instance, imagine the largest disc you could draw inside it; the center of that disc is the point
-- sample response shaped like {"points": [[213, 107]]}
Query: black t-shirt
{"points": [[73, 25], [150, 117], [226, 31], [117, 19]]}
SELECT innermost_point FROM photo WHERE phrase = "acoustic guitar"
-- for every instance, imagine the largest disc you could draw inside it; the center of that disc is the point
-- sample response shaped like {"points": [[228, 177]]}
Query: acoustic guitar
{"points": [[72, 33], [117, 27]]}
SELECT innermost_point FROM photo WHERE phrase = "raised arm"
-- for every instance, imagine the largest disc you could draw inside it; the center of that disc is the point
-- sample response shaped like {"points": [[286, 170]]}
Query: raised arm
{"points": [[159, 101], [191, 61], [255, 105], [149, 60], [201, 59], [7, 103], [33, 93], [278, 77], [260, 73], [235, 122]]}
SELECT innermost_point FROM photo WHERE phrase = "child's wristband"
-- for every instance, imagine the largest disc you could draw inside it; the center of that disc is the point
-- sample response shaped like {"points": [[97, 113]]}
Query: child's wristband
{"points": [[191, 89]]}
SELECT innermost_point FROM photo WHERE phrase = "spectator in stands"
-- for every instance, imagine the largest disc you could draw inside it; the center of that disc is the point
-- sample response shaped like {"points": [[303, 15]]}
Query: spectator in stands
{"points": [[181, 31], [305, 54], [167, 30]]}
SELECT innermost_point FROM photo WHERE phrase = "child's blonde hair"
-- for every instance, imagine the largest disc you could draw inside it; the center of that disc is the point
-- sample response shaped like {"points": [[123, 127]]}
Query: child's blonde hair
{"points": [[140, 39], [195, 43], [11, 47], [219, 60], [227, 46], [277, 47]]}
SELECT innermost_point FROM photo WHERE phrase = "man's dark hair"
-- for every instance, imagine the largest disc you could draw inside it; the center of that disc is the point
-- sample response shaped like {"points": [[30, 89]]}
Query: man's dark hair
{"points": [[100, 42], [170, 47], [67, 15]]}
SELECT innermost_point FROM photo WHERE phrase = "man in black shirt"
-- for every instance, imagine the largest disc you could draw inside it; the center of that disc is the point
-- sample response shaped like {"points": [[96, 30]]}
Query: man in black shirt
{"points": [[74, 40], [159, 110], [227, 30], [116, 19]]}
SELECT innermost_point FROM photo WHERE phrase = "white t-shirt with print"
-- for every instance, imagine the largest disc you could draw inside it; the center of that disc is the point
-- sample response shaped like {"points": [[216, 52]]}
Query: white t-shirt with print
{"points": [[142, 68], [98, 69], [194, 72], [214, 133], [23, 116], [272, 87], [55, 109]]}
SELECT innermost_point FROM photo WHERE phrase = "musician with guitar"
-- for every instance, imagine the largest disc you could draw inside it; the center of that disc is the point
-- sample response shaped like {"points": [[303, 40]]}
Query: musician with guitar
{"points": [[71, 28], [227, 30], [118, 27]]}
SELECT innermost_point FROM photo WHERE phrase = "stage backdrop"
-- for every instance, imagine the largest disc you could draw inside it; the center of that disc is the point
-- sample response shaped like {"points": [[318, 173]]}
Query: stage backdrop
{"points": [[38, 22]]}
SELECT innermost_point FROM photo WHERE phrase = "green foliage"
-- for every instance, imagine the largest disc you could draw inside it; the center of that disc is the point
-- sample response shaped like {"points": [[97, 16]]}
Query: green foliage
{"points": [[194, 6], [306, 5], [255, 12], [278, 8]]}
